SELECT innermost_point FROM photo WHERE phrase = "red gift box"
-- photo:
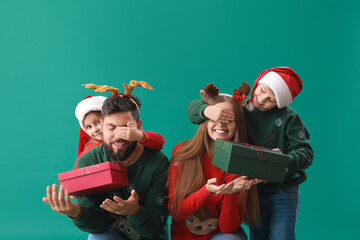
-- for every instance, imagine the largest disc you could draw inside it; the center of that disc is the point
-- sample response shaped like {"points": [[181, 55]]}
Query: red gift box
{"points": [[94, 179]]}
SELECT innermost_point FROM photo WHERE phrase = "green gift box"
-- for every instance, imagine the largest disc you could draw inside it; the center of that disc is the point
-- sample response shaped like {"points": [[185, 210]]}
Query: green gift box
{"points": [[251, 161]]}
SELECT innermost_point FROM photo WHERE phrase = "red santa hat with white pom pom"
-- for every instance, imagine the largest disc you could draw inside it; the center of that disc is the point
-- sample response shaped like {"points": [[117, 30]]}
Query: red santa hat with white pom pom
{"points": [[283, 81], [89, 104]]}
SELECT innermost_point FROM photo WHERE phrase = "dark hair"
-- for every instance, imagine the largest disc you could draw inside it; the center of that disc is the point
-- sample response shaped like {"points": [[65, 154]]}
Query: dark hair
{"points": [[115, 104]]}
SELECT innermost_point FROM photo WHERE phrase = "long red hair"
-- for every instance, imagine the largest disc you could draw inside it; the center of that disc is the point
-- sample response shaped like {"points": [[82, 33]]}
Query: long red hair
{"points": [[191, 177]]}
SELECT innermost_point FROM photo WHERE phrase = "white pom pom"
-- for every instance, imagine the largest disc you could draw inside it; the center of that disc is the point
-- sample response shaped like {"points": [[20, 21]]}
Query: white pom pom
{"points": [[250, 107]]}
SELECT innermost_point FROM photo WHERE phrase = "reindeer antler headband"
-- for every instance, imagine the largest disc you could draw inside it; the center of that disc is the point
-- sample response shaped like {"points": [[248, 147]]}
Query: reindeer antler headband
{"points": [[115, 91], [241, 93], [210, 93]]}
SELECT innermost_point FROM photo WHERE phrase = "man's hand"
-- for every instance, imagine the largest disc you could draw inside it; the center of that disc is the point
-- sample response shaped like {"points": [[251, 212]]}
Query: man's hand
{"points": [[60, 204], [122, 207], [219, 114], [211, 186], [129, 133]]}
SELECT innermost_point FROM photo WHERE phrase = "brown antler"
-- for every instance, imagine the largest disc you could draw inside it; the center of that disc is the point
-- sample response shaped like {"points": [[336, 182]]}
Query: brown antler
{"points": [[240, 94], [244, 89], [102, 88], [133, 83], [210, 93], [211, 90]]}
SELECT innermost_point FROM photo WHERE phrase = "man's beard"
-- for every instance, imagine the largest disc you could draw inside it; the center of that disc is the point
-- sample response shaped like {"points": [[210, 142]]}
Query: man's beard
{"points": [[120, 156]]}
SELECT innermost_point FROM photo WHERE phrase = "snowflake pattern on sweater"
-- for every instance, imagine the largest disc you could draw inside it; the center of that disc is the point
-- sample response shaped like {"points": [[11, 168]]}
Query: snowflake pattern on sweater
{"points": [[130, 187], [278, 122], [301, 134], [160, 200]]}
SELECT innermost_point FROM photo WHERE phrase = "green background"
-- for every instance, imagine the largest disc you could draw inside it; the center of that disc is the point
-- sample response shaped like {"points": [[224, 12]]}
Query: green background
{"points": [[49, 48]]}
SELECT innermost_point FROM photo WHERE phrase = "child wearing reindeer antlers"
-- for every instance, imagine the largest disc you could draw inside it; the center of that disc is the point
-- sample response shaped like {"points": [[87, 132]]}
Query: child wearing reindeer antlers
{"points": [[88, 112], [272, 124]]}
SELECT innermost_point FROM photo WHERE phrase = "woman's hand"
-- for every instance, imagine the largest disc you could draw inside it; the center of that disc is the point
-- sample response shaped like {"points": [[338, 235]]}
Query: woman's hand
{"points": [[211, 186], [236, 185], [244, 183]]}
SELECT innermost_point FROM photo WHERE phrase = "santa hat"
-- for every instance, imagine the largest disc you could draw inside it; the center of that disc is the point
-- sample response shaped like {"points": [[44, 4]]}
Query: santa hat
{"points": [[283, 81], [89, 104]]}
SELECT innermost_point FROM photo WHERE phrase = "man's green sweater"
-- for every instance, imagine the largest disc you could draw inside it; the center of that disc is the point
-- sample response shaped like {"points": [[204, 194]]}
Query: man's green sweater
{"points": [[276, 128], [148, 176]]}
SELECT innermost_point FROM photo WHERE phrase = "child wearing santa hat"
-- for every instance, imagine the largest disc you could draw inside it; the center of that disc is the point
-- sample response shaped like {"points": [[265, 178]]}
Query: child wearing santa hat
{"points": [[272, 124], [88, 113]]}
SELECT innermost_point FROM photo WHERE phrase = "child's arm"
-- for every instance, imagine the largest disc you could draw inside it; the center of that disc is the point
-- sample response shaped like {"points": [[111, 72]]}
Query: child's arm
{"points": [[152, 140], [299, 148], [149, 139], [195, 111], [199, 111]]}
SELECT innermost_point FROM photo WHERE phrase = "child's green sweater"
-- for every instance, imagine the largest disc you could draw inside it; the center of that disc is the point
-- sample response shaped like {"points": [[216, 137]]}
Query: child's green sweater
{"points": [[277, 128], [148, 176]]}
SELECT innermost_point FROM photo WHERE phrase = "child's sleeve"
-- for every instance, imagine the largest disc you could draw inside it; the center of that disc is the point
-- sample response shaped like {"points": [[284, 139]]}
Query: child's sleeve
{"points": [[153, 140], [195, 111], [299, 148]]}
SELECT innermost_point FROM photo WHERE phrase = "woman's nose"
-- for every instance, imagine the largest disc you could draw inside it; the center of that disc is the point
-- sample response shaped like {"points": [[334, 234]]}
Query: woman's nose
{"points": [[221, 124]]}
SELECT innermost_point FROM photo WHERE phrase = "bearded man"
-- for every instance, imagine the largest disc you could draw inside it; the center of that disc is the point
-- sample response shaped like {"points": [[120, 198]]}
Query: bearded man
{"points": [[143, 204]]}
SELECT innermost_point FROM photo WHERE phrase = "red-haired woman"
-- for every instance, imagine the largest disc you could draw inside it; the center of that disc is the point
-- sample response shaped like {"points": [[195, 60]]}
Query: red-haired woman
{"points": [[204, 201]]}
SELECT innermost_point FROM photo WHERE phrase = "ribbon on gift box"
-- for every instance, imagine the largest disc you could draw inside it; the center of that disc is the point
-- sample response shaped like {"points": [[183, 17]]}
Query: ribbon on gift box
{"points": [[87, 170], [257, 147], [249, 145]]}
